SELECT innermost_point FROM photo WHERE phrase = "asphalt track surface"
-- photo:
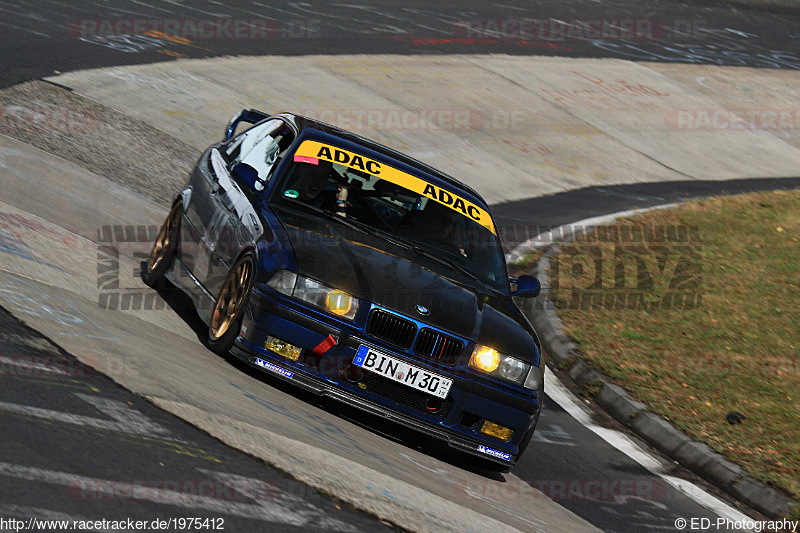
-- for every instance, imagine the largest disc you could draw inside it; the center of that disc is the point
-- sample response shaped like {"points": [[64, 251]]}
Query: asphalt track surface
{"points": [[572, 206], [78, 447], [44, 36], [36, 42]]}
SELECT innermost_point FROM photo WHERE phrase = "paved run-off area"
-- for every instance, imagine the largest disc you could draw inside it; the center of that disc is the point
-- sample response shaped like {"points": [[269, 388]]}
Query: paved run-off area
{"points": [[511, 127]]}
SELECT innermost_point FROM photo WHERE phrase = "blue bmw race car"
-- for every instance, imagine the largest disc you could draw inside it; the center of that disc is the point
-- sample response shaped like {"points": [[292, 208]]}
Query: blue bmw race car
{"points": [[356, 272]]}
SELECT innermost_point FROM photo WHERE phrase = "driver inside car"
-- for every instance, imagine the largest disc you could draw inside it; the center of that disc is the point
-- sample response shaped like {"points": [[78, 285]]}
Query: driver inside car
{"points": [[442, 230], [311, 182]]}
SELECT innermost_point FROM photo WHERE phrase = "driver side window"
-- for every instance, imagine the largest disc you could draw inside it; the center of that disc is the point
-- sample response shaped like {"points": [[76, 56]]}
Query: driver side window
{"points": [[261, 147]]}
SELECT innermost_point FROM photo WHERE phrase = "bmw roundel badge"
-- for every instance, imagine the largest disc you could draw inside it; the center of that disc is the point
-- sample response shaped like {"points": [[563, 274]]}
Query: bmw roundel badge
{"points": [[421, 309]]}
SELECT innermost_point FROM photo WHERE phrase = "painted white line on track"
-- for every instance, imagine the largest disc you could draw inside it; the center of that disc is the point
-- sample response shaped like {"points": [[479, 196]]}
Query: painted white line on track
{"points": [[572, 405], [546, 238], [18, 362], [125, 418]]}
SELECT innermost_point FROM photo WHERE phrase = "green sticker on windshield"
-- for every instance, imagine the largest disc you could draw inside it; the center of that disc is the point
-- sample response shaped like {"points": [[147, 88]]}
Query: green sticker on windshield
{"points": [[291, 193]]}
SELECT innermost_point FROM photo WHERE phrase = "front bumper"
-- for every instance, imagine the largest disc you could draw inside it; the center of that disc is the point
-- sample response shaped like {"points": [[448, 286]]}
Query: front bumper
{"points": [[455, 420]]}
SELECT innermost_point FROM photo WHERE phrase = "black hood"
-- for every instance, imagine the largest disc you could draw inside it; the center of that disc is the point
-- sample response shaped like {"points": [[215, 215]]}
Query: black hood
{"points": [[392, 276]]}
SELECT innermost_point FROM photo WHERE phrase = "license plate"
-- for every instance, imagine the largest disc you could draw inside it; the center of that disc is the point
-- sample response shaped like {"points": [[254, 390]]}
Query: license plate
{"points": [[402, 372]]}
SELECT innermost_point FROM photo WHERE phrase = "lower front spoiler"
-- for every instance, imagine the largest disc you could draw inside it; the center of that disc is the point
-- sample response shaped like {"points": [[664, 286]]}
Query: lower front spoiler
{"points": [[322, 388]]}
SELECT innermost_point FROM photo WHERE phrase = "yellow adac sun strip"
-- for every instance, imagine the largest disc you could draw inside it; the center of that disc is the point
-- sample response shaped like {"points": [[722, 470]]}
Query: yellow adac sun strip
{"points": [[318, 150]]}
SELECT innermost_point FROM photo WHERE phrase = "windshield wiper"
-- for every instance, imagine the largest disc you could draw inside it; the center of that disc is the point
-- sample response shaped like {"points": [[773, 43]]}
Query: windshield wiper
{"points": [[397, 241], [330, 215], [451, 264], [354, 224]]}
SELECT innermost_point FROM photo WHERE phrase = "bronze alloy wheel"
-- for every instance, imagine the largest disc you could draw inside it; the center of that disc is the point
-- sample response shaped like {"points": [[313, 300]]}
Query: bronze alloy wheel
{"points": [[165, 237], [232, 297]]}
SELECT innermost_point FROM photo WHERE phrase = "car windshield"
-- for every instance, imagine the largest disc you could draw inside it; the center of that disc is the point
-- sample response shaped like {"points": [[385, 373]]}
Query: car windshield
{"points": [[367, 193]]}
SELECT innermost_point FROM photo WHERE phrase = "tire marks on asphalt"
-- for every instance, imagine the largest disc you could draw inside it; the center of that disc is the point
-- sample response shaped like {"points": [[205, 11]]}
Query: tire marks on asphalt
{"points": [[92, 451]]}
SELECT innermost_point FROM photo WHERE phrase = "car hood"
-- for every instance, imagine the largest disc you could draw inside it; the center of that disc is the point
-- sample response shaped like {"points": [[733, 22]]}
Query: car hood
{"points": [[391, 276]]}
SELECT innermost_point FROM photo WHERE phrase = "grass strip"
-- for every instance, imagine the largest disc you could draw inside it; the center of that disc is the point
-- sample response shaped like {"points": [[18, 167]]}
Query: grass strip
{"points": [[734, 349]]}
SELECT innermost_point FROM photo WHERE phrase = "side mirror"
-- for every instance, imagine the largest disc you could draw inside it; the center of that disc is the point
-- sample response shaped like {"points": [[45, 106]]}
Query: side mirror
{"points": [[527, 287], [247, 175], [250, 116]]}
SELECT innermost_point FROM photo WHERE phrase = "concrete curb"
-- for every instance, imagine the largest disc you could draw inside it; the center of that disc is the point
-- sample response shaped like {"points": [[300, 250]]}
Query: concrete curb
{"points": [[653, 428]]}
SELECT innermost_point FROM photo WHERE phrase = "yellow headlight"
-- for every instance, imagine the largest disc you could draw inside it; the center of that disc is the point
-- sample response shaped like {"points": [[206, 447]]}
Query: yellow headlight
{"points": [[338, 302], [485, 359]]}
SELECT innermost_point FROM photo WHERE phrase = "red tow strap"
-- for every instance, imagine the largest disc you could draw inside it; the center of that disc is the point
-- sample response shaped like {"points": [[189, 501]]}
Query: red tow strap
{"points": [[324, 346]]}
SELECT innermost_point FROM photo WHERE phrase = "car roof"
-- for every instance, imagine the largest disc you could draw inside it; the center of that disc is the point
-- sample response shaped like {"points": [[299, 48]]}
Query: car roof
{"points": [[311, 128]]}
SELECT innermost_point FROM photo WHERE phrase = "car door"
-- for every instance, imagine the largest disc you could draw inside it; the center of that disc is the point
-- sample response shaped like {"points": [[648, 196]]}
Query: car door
{"points": [[229, 220]]}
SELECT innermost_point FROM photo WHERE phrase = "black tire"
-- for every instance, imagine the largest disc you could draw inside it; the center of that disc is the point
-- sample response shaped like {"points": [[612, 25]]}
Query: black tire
{"points": [[163, 252], [228, 312], [525, 441]]}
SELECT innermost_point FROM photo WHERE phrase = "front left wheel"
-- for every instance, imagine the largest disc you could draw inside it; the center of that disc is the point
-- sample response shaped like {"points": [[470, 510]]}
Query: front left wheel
{"points": [[226, 319]]}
